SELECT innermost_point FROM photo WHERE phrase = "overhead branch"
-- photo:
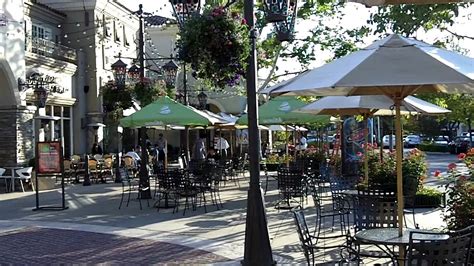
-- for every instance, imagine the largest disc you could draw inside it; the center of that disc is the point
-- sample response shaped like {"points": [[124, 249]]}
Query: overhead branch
{"points": [[229, 3], [460, 36], [273, 69]]}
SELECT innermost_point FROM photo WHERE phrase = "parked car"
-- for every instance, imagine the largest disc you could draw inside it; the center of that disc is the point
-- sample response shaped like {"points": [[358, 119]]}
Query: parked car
{"points": [[386, 141], [412, 141], [441, 140], [459, 144]]}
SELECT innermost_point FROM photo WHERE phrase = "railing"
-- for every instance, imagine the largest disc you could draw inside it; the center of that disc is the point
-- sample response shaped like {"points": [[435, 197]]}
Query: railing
{"points": [[50, 49]]}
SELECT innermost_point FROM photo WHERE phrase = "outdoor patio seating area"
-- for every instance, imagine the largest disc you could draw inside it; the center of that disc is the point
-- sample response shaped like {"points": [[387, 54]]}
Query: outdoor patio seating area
{"points": [[196, 202]]}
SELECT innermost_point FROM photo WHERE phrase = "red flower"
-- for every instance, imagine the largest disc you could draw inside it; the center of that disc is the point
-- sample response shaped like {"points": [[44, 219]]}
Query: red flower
{"points": [[461, 156], [243, 22], [359, 154], [462, 178], [437, 173], [451, 166], [374, 145]]}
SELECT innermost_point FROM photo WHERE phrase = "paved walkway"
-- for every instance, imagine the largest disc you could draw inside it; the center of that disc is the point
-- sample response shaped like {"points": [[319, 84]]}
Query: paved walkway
{"points": [[93, 229], [38, 245]]}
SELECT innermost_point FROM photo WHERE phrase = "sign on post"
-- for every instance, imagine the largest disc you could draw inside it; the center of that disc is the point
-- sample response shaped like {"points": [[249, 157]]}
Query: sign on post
{"points": [[49, 157], [49, 160]]}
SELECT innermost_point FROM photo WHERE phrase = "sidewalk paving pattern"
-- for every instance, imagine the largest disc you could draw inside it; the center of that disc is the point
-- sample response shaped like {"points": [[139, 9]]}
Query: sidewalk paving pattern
{"points": [[37, 245]]}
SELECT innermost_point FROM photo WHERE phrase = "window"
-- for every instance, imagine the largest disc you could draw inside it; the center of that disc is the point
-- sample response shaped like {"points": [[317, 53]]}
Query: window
{"points": [[125, 39], [116, 35], [58, 127], [40, 32], [107, 31]]}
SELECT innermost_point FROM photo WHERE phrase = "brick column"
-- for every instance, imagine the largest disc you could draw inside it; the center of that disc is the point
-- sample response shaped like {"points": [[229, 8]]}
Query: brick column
{"points": [[17, 135]]}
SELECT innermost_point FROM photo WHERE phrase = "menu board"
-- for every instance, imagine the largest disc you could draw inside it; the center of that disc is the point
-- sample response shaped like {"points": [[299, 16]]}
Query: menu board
{"points": [[48, 157]]}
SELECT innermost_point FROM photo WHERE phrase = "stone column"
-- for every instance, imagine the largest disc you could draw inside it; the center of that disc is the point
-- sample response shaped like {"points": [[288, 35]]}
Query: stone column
{"points": [[17, 133]]}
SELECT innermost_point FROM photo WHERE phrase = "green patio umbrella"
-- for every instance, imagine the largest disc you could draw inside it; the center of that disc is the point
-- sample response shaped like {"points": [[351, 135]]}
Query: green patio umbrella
{"points": [[165, 111], [279, 111]]}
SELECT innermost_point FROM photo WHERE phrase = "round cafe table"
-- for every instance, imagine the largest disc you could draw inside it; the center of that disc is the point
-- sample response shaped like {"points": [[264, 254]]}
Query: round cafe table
{"points": [[389, 237]]}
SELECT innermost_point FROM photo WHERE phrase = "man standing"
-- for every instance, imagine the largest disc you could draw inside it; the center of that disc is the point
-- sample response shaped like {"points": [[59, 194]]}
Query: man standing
{"points": [[161, 145], [222, 145]]}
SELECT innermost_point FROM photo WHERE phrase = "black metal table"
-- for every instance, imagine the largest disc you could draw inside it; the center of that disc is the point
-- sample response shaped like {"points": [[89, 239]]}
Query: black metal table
{"points": [[385, 237]]}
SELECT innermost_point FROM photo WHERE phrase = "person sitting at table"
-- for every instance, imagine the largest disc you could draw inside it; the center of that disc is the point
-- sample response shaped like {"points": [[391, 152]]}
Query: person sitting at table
{"points": [[134, 154], [96, 149], [211, 154]]}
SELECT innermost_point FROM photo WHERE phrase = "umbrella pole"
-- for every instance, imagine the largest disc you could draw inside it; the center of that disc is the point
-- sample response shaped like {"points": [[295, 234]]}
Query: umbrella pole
{"points": [[286, 149], [399, 152], [366, 150]]}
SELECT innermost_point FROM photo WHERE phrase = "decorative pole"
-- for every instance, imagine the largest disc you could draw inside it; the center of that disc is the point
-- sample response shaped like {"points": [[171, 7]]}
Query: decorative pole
{"points": [[258, 250], [144, 178]]}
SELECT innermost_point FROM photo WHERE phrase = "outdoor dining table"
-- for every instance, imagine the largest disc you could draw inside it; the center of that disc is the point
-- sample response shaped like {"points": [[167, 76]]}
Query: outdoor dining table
{"points": [[390, 237]]}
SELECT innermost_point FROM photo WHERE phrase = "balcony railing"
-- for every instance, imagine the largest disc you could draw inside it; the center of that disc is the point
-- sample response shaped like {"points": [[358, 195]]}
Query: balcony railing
{"points": [[50, 49]]}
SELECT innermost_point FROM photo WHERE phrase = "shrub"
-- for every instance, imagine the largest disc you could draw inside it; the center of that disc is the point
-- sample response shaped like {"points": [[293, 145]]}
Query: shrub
{"points": [[459, 212], [433, 147]]}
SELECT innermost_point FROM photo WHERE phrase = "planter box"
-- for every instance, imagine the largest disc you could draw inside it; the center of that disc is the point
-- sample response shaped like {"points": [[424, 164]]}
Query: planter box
{"points": [[425, 201], [272, 167]]}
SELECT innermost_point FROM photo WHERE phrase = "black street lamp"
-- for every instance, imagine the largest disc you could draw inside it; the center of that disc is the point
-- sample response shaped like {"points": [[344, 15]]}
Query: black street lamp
{"points": [[41, 95], [119, 70], [170, 70], [276, 10], [285, 29], [183, 9]]}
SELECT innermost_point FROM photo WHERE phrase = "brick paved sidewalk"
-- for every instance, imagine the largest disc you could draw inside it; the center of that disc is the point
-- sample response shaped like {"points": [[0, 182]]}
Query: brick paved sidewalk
{"points": [[35, 245]]}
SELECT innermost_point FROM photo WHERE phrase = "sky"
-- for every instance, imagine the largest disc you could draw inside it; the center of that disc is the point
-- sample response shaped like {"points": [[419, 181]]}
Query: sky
{"points": [[356, 16]]}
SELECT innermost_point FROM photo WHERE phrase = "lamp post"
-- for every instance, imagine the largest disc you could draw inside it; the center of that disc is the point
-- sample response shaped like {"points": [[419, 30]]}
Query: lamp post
{"points": [[183, 9], [257, 250], [135, 73]]}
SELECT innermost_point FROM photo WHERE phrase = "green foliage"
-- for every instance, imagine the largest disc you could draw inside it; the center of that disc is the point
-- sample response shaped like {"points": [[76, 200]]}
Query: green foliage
{"points": [[408, 19], [431, 147], [116, 100], [428, 197], [384, 172], [146, 92], [460, 193], [277, 159], [217, 46]]}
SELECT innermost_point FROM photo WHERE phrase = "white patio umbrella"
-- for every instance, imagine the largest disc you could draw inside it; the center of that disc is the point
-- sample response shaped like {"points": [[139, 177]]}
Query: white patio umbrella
{"points": [[394, 66], [369, 105]]}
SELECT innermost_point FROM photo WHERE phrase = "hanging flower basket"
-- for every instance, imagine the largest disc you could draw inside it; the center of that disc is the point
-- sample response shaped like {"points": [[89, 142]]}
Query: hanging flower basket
{"points": [[217, 46]]}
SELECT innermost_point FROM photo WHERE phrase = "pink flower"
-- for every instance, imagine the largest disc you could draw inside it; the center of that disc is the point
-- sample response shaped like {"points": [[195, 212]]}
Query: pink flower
{"points": [[437, 173], [461, 156], [375, 145], [462, 178], [243, 22], [359, 154], [451, 166]]}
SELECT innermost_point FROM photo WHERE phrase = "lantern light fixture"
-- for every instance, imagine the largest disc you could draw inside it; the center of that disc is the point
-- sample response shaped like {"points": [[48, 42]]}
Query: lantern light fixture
{"points": [[276, 10]]}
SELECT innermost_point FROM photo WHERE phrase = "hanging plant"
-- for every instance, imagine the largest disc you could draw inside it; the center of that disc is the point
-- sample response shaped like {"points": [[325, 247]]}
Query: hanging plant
{"points": [[116, 100], [217, 46]]}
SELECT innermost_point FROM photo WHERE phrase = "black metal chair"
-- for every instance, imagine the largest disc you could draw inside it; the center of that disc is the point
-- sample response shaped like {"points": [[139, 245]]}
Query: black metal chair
{"points": [[425, 249], [291, 189], [373, 212], [310, 246], [164, 188], [339, 210], [130, 185], [184, 188]]}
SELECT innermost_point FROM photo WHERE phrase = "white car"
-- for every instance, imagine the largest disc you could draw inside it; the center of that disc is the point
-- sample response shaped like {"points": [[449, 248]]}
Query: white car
{"points": [[441, 140], [386, 141], [412, 141]]}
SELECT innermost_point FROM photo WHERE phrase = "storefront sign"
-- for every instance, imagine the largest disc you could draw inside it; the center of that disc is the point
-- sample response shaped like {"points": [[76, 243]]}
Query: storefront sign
{"points": [[49, 157]]}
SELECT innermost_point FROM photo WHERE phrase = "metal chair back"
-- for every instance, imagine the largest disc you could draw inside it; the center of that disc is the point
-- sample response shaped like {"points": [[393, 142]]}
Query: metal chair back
{"points": [[426, 248]]}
